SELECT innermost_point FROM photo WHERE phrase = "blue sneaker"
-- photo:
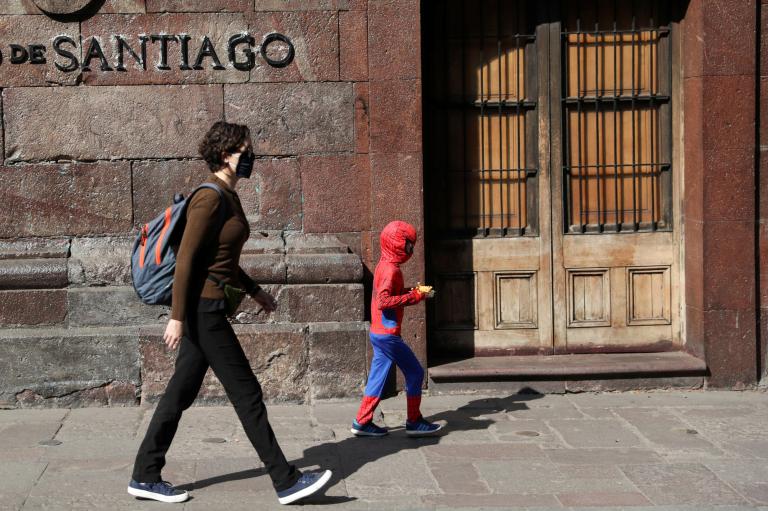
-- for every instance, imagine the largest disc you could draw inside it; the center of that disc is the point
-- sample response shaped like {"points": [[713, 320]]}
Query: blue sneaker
{"points": [[162, 491], [368, 429], [421, 427], [307, 484]]}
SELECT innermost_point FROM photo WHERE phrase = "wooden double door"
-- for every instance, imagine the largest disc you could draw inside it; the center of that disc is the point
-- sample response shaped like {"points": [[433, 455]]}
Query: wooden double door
{"points": [[549, 176]]}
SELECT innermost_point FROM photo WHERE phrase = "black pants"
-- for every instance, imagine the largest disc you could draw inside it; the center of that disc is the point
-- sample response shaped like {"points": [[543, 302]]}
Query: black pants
{"points": [[212, 342]]}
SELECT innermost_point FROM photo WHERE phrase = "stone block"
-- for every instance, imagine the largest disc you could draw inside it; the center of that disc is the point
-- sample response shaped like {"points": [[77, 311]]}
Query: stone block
{"points": [[729, 274], [323, 268], [397, 190], [109, 6], [320, 303], [309, 243], [69, 367], [300, 5], [353, 41], [337, 359], [329, 208], [218, 27], [156, 182], [28, 30], [731, 348], [395, 116], [277, 353], [294, 118], [729, 183], [728, 104], [315, 38], [33, 307], [264, 268], [388, 21], [34, 248], [39, 200], [272, 197], [101, 261], [108, 122], [265, 242], [123, 6], [33, 273], [362, 126], [723, 54], [111, 306], [199, 5]]}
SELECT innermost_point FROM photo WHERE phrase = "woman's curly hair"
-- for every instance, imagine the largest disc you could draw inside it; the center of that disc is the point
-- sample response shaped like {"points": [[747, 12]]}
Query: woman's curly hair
{"points": [[223, 137]]}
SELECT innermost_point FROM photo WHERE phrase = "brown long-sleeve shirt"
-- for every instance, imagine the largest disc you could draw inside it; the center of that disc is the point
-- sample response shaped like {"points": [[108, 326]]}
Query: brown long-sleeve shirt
{"points": [[205, 250]]}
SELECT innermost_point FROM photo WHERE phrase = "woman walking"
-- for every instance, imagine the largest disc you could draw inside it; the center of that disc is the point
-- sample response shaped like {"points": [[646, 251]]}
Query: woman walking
{"points": [[208, 285]]}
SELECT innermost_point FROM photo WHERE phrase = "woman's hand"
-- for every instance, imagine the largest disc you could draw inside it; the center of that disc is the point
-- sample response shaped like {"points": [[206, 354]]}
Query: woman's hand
{"points": [[268, 304], [173, 333]]}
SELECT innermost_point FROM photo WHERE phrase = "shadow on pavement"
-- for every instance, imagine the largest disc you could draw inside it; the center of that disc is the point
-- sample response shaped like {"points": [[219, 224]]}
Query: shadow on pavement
{"points": [[348, 455]]}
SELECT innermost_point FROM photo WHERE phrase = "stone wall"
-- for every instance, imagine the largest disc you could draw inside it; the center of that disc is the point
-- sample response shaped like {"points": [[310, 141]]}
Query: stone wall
{"points": [[91, 154]]}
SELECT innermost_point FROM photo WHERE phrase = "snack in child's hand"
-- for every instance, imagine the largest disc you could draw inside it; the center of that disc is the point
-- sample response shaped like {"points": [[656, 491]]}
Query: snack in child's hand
{"points": [[425, 290]]}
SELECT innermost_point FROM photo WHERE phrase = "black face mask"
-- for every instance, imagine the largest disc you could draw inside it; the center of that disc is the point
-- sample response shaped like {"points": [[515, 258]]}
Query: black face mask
{"points": [[245, 164]]}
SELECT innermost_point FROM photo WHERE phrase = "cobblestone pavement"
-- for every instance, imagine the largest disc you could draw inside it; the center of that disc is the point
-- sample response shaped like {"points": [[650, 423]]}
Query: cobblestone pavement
{"points": [[653, 450]]}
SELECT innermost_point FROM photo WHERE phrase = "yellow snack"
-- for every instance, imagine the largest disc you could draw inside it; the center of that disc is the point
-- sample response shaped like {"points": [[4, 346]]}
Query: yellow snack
{"points": [[425, 290]]}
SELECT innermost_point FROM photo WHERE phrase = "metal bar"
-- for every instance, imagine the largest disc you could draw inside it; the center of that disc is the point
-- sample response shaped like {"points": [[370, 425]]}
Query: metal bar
{"points": [[567, 183], [464, 113], [517, 127], [501, 128], [600, 221], [662, 30], [634, 160], [638, 98], [652, 86], [582, 223], [618, 219], [482, 117], [662, 166]]}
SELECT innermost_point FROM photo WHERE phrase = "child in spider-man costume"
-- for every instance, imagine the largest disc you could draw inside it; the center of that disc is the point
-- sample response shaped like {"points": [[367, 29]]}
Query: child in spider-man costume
{"points": [[387, 304]]}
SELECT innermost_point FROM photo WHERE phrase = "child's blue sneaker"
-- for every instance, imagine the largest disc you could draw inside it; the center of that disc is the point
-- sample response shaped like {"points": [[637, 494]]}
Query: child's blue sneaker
{"points": [[162, 491], [307, 484], [367, 429], [421, 427]]}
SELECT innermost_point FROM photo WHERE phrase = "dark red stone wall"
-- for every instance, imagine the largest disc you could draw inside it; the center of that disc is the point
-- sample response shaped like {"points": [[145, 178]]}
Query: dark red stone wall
{"points": [[720, 208], [763, 188]]}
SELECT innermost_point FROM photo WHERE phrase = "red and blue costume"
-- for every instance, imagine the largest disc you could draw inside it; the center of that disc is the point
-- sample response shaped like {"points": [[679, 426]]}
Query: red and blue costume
{"points": [[387, 307]]}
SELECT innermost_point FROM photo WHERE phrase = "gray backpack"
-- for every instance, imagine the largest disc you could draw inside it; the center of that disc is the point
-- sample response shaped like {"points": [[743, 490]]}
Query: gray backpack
{"points": [[153, 258]]}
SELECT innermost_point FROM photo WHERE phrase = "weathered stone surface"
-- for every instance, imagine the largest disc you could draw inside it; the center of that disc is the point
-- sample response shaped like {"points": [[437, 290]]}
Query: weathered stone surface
{"points": [[24, 308], [110, 306], [395, 116], [199, 5], [108, 122], [272, 197], [300, 5], [323, 268], [217, 27], [28, 30], [264, 242], [394, 20], [307, 243], [397, 188], [34, 248], [315, 38], [67, 364], [307, 304], [264, 268], [320, 303], [353, 51], [123, 6], [67, 199], [278, 356], [101, 261], [362, 127], [59, 7], [293, 118], [337, 359], [33, 273], [326, 208], [156, 182]]}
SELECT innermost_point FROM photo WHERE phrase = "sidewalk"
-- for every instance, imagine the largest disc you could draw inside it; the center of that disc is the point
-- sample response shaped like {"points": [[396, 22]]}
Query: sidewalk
{"points": [[658, 450]]}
